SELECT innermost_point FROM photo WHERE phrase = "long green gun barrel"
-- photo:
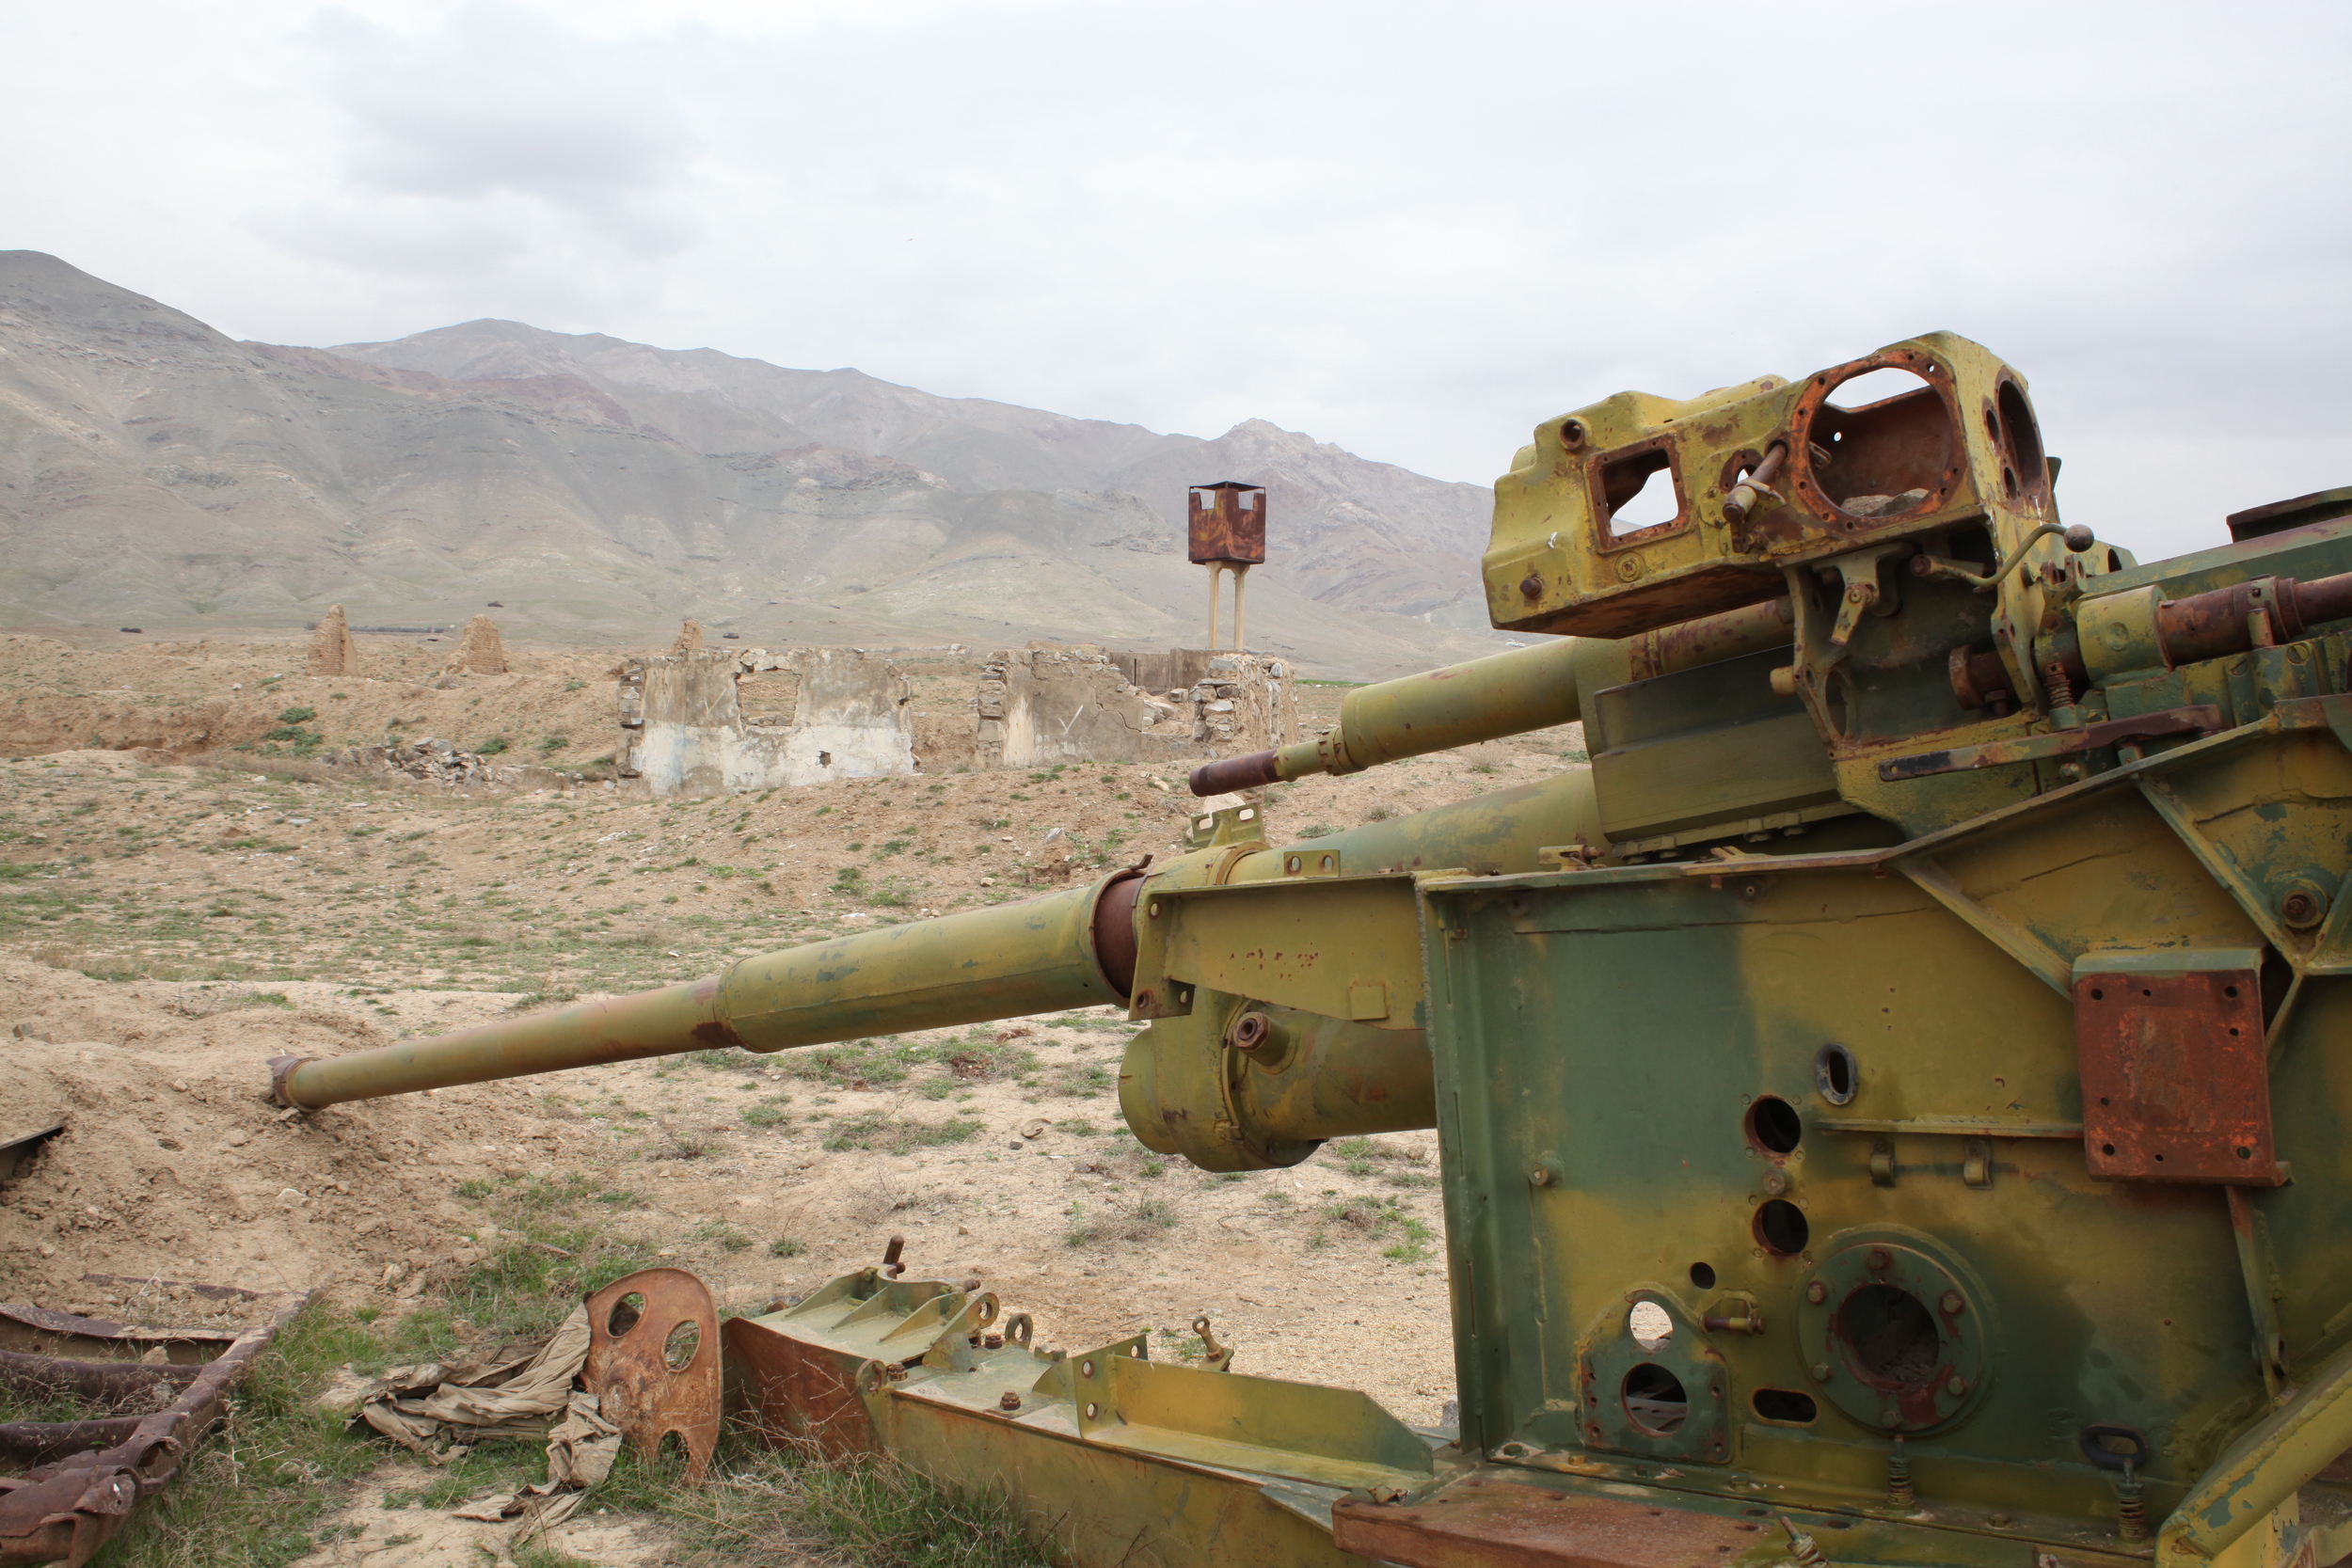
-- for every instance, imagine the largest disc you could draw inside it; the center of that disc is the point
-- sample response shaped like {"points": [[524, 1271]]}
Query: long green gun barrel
{"points": [[1069, 949], [1487, 699]]}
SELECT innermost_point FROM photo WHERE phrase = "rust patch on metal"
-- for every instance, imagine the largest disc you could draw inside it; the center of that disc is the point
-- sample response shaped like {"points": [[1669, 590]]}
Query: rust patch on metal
{"points": [[2176, 1077], [1483, 1523], [797, 1391], [65, 1508], [651, 1380]]}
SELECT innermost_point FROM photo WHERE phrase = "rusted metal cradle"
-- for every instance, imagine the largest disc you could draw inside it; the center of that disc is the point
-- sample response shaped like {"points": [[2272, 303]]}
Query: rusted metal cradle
{"points": [[1891, 1103], [79, 1482]]}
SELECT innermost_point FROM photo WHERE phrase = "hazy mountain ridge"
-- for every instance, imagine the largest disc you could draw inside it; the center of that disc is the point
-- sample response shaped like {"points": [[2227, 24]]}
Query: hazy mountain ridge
{"points": [[155, 470], [1363, 533]]}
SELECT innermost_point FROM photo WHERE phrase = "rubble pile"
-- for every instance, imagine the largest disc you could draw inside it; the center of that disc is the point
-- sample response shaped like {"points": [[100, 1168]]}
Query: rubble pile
{"points": [[441, 762]]}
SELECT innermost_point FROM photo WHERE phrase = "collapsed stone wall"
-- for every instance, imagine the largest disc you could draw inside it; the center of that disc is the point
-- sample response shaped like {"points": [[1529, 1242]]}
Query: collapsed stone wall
{"points": [[709, 720], [1049, 702]]}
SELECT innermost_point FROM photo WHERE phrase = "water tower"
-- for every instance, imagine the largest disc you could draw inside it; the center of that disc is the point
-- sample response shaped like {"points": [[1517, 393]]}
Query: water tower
{"points": [[1226, 531]]}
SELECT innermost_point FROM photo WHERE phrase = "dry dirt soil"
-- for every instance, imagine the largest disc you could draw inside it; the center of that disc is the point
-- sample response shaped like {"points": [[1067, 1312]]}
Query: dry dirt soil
{"points": [[166, 926]]}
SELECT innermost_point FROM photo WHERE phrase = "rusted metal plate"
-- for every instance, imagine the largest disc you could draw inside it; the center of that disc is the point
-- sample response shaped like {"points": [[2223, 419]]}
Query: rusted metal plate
{"points": [[2175, 1073], [797, 1390], [1226, 521], [1486, 1524], [652, 1381], [65, 1509]]}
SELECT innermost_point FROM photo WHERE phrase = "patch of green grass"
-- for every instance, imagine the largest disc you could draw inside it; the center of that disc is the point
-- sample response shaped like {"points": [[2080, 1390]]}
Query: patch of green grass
{"points": [[889, 1134], [1079, 1078], [786, 1246], [493, 747], [1376, 1217], [720, 1234], [767, 1112], [297, 715], [255, 1492], [1140, 1221]]}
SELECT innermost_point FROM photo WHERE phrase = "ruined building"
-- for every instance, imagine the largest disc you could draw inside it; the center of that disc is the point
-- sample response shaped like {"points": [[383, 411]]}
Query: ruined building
{"points": [[708, 721]]}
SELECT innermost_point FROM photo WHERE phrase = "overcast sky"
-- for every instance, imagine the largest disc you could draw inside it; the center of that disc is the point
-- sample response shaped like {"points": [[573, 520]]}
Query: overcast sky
{"points": [[1414, 230]]}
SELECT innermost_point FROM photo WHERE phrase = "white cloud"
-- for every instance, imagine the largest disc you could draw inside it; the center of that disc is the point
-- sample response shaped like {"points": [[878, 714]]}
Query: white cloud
{"points": [[1415, 232]]}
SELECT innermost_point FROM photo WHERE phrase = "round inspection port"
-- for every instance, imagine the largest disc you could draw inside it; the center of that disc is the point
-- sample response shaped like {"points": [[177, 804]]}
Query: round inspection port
{"points": [[1654, 1400], [1835, 1075], [1881, 444], [625, 1315], [1893, 1337], [1651, 1327], [1780, 1228], [1773, 1125], [1703, 1275]]}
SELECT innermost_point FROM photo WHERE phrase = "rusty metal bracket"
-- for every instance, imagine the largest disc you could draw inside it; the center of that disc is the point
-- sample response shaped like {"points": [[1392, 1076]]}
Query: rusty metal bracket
{"points": [[77, 1495], [2198, 719], [653, 1379]]}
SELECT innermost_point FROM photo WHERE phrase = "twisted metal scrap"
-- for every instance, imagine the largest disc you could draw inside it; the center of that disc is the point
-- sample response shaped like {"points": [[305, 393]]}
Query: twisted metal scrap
{"points": [[65, 1511]]}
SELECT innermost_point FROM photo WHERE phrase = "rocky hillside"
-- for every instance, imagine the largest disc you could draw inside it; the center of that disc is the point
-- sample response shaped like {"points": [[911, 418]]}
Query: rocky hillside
{"points": [[155, 472]]}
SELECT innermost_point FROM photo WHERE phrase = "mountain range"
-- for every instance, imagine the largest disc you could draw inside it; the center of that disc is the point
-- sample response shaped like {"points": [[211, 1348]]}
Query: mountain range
{"points": [[155, 472]]}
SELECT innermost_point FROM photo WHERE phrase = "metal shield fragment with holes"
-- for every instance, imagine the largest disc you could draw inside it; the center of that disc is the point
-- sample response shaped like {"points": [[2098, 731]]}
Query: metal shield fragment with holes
{"points": [[653, 1356]]}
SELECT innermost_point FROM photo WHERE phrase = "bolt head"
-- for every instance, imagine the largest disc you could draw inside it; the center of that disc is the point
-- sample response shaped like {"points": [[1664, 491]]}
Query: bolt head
{"points": [[1881, 1258], [1956, 1386], [1820, 1372], [1952, 1303], [1776, 1183], [1816, 1293], [1009, 1402]]}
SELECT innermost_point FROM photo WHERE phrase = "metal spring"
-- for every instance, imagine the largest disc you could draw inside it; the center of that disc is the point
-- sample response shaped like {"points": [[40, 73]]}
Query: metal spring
{"points": [[1898, 1489], [2061, 685], [2131, 1508]]}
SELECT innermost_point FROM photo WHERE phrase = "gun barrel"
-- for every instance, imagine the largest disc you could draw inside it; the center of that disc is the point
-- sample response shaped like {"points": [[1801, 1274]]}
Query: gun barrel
{"points": [[1486, 699], [1069, 949]]}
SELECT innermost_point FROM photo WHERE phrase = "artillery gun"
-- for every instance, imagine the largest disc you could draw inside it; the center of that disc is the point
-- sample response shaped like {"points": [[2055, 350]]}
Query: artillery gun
{"points": [[1891, 1103]]}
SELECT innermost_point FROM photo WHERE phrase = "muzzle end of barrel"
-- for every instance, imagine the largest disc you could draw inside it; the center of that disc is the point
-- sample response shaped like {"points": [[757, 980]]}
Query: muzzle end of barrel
{"points": [[282, 1071]]}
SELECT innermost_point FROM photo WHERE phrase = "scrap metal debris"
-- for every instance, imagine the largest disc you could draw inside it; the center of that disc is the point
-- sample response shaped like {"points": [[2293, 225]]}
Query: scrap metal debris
{"points": [[654, 1353], [76, 1494]]}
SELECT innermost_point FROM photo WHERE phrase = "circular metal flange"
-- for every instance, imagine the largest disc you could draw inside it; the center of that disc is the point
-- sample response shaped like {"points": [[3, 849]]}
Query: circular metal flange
{"points": [[1902, 1332]]}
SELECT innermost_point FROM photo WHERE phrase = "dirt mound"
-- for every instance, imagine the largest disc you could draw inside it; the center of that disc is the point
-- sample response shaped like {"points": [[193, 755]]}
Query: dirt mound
{"points": [[173, 1165]]}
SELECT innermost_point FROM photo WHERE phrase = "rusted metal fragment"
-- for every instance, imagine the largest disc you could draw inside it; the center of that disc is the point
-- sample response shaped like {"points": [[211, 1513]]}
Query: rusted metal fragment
{"points": [[209, 1293], [27, 1444], [2175, 1074], [2198, 719], [652, 1380], [107, 1382], [21, 1149], [40, 1330], [1480, 1523], [797, 1389], [67, 1509]]}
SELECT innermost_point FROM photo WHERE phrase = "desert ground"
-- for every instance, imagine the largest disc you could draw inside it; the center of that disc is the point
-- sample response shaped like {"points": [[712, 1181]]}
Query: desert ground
{"points": [[175, 909]]}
